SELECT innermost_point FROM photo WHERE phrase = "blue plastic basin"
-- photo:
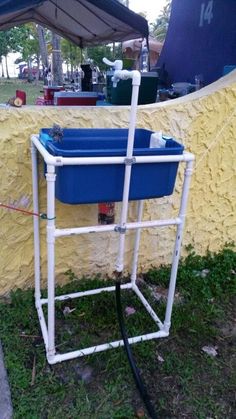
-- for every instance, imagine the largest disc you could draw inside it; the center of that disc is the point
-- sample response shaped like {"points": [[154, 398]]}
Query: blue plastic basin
{"points": [[81, 184]]}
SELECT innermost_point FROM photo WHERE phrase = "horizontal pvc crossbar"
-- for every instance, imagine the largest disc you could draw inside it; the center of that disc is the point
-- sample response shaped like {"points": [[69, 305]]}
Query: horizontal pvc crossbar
{"points": [[53, 359], [84, 293], [104, 347], [61, 161], [114, 227]]}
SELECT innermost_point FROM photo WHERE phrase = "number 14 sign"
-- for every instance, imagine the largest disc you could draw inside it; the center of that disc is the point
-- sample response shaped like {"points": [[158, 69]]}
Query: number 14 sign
{"points": [[206, 13]]}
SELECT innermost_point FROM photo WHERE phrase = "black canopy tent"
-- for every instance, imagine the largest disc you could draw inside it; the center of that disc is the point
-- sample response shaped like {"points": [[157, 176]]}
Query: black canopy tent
{"points": [[84, 22]]}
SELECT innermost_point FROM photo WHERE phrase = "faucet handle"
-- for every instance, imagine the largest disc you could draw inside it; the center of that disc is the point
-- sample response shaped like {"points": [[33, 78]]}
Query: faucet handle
{"points": [[117, 64]]}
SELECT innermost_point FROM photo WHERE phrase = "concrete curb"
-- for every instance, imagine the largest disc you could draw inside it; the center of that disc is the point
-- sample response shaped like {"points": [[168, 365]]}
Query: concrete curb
{"points": [[6, 411]]}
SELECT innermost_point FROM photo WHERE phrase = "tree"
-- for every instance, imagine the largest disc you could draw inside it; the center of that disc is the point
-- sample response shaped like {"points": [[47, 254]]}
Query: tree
{"points": [[159, 28], [96, 54], [29, 49], [11, 41], [20, 39], [2, 69], [3, 49], [71, 54], [42, 45], [56, 59]]}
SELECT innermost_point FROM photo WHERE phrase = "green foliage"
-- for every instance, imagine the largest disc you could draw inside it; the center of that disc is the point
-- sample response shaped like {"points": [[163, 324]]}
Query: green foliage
{"points": [[12, 40], [22, 39], [159, 28], [30, 45], [3, 44], [211, 275], [188, 383], [206, 283], [96, 54], [71, 53]]}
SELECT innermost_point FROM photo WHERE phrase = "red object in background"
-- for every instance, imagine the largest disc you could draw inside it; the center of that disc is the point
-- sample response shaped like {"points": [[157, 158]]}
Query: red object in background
{"points": [[39, 101], [49, 93], [106, 213], [48, 102], [22, 95], [75, 99]]}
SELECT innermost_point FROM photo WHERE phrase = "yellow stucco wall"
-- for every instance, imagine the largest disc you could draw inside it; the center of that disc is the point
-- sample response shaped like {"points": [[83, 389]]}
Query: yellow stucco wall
{"points": [[204, 121]]}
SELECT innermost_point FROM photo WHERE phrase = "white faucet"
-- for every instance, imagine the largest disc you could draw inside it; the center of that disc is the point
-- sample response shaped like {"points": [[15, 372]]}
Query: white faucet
{"points": [[120, 74]]}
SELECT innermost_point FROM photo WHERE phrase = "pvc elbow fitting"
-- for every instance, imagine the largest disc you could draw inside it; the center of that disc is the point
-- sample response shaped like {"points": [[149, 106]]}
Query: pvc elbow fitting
{"points": [[136, 78], [125, 74]]}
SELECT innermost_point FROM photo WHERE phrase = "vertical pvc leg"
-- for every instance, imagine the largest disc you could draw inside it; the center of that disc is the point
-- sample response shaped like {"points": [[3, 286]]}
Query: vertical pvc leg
{"points": [[36, 223], [125, 200], [178, 241], [136, 244], [123, 220], [51, 177]]}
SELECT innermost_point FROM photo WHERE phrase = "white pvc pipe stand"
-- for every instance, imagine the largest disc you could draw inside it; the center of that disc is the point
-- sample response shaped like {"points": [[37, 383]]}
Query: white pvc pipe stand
{"points": [[136, 78], [51, 177], [36, 223], [48, 326]]}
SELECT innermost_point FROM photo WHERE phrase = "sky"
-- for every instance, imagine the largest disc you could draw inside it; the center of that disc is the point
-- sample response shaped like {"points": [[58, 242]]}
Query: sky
{"points": [[152, 7]]}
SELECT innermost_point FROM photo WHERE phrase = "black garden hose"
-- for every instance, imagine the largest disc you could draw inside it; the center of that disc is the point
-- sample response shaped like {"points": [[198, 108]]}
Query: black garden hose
{"points": [[135, 371]]}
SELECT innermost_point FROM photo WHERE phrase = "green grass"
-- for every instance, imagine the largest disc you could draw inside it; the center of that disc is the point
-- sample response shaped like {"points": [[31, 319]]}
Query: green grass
{"points": [[188, 384], [8, 89]]}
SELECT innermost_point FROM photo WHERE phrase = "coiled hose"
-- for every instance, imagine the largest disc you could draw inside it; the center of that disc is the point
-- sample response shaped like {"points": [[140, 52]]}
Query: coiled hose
{"points": [[139, 383]]}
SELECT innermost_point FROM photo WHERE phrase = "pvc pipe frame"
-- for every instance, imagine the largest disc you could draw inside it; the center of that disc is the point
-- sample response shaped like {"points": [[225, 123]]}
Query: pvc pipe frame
{"points": [[71, 161], [48, 325], [48, 330]]}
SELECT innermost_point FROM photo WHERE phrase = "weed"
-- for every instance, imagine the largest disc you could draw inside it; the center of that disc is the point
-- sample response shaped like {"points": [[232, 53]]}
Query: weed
{"points": [[187, 383], [9, 87]]}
